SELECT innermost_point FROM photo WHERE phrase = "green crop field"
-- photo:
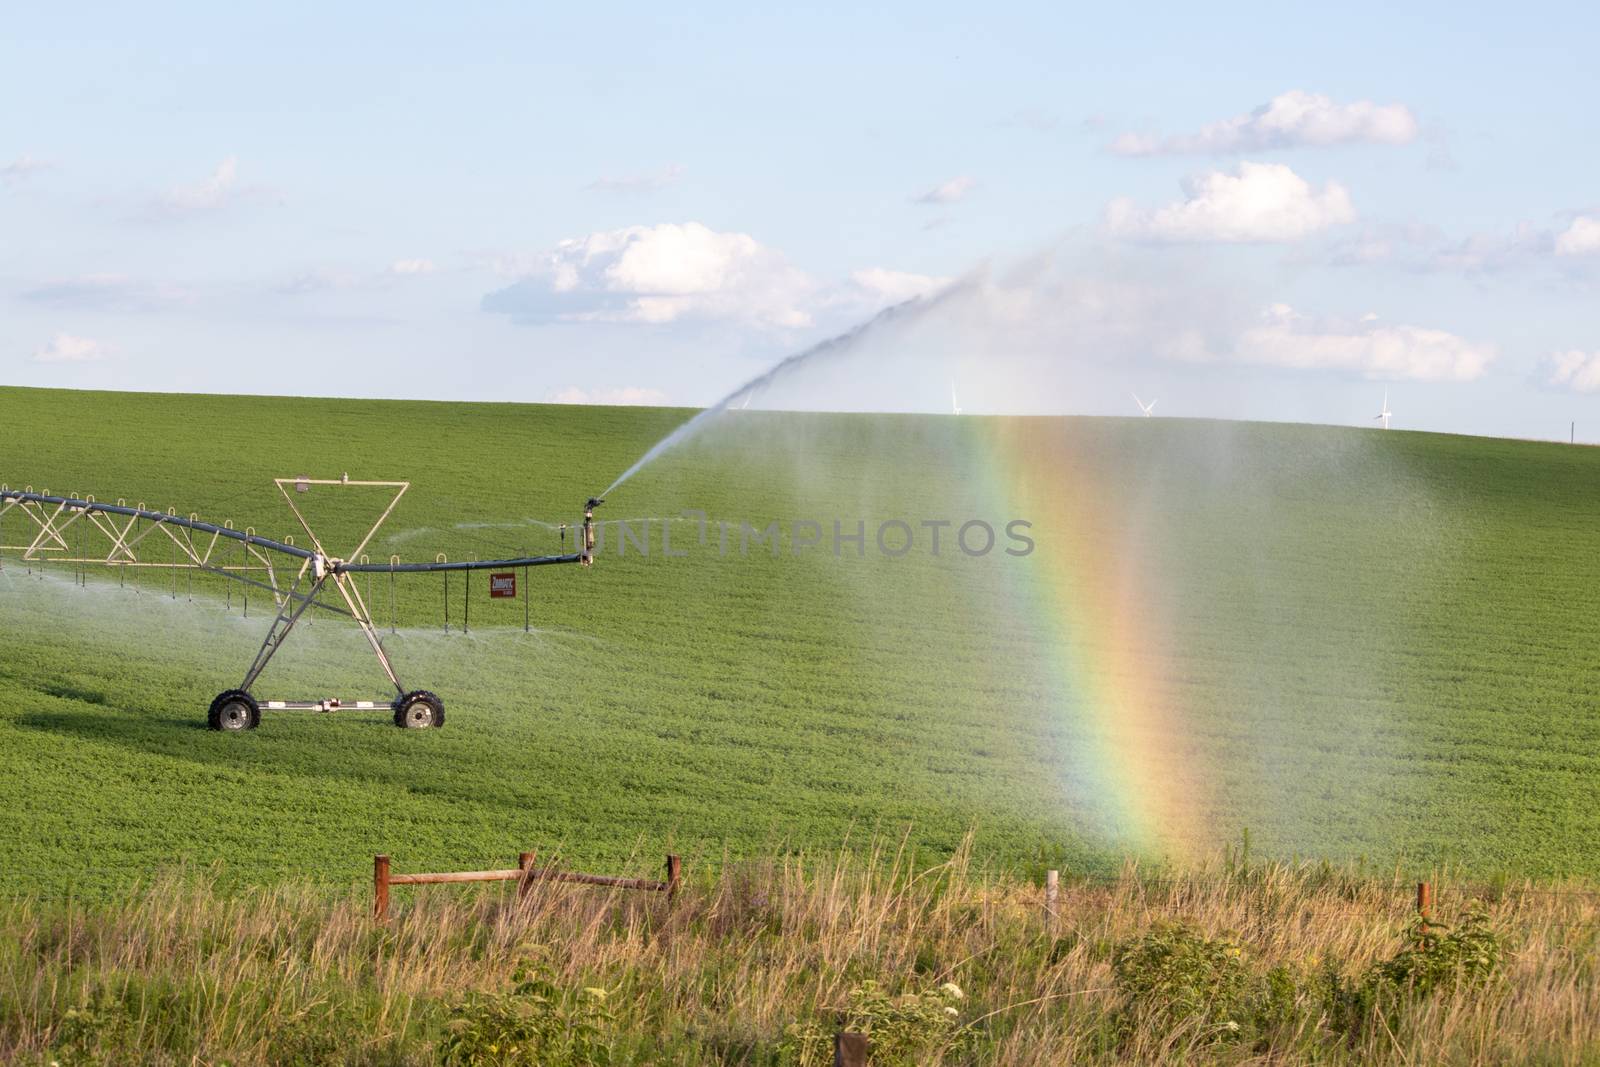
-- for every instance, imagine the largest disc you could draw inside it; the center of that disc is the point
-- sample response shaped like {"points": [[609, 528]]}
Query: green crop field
{"points": [[1355, 644]]}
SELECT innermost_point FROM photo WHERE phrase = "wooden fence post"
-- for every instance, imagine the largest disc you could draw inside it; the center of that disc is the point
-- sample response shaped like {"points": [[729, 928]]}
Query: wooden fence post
{"points": [[1052, 892], [1424, 904], [849, 1049], [525, 864], [674, 873], [380, 888]]}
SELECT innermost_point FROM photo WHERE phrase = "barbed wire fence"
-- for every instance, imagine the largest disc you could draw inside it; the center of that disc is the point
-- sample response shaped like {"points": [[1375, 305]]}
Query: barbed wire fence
{"points": [[102, 882]]}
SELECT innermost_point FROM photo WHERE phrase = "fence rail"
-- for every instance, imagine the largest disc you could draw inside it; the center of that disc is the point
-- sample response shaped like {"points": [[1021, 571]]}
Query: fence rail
{"points": [[525, 875]]}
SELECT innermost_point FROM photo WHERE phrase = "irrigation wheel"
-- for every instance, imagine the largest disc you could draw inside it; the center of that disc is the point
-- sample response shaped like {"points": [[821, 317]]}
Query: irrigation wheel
{"points": [[233, 710], [418, 710]]}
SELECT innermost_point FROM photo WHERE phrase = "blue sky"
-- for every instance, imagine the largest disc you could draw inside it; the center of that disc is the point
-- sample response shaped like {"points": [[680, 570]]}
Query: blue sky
{"points": [[1241, 211]]}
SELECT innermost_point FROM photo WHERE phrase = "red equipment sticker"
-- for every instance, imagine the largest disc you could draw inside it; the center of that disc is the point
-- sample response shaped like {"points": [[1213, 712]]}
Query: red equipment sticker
{"points": [[503, 585]]}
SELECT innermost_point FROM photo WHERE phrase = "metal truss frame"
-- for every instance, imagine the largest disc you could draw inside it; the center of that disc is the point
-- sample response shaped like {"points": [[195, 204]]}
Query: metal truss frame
{"points": [[53, 522]]}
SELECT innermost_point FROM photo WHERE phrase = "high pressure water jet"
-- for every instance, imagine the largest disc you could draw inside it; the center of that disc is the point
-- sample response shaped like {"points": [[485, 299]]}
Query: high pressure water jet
{"points": [[261, 565], [901, 314]]}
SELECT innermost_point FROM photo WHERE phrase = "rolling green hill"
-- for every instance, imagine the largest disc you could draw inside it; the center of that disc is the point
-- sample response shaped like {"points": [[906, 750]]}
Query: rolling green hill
{"points": [[1354, 643]]}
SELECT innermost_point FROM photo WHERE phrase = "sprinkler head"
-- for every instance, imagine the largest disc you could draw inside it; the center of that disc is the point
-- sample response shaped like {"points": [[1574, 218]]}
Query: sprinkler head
{"points": [[586, 545]]}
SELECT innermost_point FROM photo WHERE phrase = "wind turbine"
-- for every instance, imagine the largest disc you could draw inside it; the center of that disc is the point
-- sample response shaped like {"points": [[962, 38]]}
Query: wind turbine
{"points": [[955, 405], [1146, 408], [1385, 413]]}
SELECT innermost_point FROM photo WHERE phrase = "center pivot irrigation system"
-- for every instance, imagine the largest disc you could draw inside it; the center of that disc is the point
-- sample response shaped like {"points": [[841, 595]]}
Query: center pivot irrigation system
{"points": [[260, 565]]}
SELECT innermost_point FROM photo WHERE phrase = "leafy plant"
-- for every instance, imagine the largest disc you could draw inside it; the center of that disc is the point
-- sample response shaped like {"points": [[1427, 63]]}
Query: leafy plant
{"points": [[907, 1029], [537, 1022], [1174, 975], [1441, 958], [1436, 959], [91, 1034]]}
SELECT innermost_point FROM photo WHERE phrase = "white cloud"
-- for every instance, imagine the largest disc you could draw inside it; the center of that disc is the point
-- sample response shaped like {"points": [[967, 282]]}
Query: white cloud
{"points": [[208, 195], [1286, 338], [626, 396], [660, 274], [894, 286], [1290, 120], [1263, 202], [412, 266], [638, 183], [948, 192], [1581, 238], [24, 166], [66, 348], [1576, 370], [687, 274]]}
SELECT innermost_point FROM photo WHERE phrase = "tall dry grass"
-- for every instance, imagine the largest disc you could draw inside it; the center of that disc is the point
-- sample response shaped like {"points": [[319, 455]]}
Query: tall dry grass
{"points": [[180, 973]]}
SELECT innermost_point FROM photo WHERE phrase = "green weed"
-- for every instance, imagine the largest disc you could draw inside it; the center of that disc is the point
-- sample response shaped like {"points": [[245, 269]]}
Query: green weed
{"points": [[538, 1023]]}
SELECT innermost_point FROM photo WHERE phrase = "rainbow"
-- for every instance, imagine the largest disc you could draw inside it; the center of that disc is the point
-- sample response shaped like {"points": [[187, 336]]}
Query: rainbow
{"points": [[1086, 592]]}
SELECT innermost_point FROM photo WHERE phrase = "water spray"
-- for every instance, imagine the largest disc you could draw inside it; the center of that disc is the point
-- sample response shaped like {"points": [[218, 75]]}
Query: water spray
{"points": [[901, 314]]}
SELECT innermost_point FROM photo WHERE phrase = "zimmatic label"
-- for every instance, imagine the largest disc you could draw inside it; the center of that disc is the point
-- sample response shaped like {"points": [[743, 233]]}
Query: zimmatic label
{"points": [[503, 585]]}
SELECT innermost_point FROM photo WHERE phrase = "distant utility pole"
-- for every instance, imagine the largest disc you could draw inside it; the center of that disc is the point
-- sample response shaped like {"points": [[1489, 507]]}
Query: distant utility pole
{"points": [[1572, 440]]}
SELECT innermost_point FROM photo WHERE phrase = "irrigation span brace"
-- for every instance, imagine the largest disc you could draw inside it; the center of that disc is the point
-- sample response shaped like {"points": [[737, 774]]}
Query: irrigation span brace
{"points": [[73, 529]]}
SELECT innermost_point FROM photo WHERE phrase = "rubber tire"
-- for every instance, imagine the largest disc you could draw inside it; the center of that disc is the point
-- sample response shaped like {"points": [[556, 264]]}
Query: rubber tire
{"points": [[407, 705], [230, 724]]}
